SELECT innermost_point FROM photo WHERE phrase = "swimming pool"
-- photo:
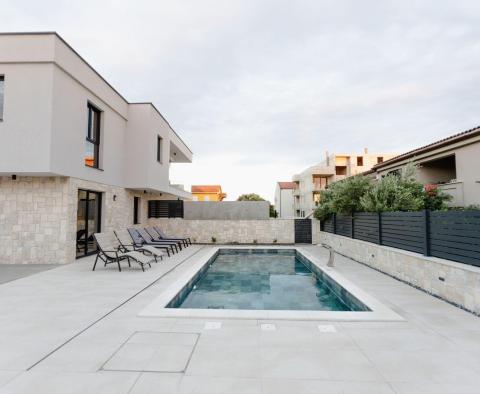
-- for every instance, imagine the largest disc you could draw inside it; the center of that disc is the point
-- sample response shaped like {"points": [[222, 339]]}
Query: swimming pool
{"points": [[320, 292], [264, 279]]}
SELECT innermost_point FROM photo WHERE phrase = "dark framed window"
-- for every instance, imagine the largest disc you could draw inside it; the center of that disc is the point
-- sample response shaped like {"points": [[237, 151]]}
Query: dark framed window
{"points": [[359, 161], [159, 148], [2, 94], [165, 209], [379, 159], [136, 205], [92, 138]]}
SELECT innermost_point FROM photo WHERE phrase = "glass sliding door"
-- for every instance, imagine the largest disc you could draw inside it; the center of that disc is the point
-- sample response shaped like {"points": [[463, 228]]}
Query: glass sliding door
{"points": [[88, 221]]}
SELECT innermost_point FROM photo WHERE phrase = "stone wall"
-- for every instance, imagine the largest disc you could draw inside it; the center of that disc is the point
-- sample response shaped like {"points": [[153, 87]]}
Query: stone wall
{"points": [[460, 284], [38, 216], [227, 210], [33, 220], [268, 231]]}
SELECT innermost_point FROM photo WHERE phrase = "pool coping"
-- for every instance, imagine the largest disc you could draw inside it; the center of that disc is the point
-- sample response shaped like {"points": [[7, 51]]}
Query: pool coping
{"points": [[378, 311]]}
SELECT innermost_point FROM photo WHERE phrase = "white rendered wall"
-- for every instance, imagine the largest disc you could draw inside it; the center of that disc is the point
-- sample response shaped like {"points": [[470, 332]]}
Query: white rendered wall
{"points": [[25, 131], [47, 88], [286, 204]]}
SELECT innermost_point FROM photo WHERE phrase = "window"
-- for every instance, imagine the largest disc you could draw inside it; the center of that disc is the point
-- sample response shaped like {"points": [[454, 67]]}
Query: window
{"points": [[159, 149], [379, 159], [2, 94], [341, 170], [92, 140], [136, 203], [165, 209], [359, 161]]}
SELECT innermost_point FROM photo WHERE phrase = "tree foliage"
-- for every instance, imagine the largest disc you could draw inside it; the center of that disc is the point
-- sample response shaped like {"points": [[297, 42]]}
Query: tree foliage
{"points": [[256, 197], [250, 197], [342, 197], [394, 192]]}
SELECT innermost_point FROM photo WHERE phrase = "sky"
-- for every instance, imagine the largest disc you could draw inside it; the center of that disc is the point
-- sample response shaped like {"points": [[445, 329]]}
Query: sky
{"points": [[260, 89]]}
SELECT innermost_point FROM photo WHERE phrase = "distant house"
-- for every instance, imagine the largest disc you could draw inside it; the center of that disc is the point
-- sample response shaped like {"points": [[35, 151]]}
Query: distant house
{"points": [[207, 193], [452, 163], [335, 167], [284, 200]]}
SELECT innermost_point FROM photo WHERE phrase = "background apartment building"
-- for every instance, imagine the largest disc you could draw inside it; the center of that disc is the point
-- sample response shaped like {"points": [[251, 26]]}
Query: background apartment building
{"points": [[77, 157], [334, 167], [284, 205], [207, 193], [453, 164]]}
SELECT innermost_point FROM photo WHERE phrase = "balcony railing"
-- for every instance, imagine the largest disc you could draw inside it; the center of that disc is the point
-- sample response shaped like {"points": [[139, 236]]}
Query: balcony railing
{"points": [[455, 189]]}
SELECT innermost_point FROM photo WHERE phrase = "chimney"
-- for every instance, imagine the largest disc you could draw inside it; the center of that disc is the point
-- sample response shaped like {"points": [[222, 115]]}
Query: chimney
{"points": [[365, 150], [326, 158]]}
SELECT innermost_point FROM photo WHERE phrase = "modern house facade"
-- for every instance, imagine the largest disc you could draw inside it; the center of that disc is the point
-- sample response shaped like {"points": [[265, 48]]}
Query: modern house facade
{"points": [[207, 193], [453, 164], [335, 167], [77, 157], [284, 204]]}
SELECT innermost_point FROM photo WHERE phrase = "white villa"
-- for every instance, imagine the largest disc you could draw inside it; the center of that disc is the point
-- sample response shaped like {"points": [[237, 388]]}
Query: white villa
{"points": [[76, 156]]}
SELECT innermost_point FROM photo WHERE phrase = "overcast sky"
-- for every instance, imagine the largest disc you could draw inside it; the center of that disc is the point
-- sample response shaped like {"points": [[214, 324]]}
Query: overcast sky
{"points": [[260, 89]]}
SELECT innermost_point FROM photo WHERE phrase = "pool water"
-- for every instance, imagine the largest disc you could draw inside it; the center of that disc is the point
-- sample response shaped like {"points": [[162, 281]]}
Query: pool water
{"points": [[263, 279]]}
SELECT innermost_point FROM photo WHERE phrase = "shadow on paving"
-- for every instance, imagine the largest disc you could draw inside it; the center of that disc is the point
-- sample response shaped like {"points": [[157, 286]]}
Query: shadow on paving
{"points": [[9, 272]]}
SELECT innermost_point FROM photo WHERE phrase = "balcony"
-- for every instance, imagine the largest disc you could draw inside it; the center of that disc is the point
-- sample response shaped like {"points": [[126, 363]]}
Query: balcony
{"points": [[455, 189]]}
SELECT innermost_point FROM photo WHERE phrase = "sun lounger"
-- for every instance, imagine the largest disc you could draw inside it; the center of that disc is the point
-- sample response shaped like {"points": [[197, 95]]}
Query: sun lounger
{"points": [[110, 251]]}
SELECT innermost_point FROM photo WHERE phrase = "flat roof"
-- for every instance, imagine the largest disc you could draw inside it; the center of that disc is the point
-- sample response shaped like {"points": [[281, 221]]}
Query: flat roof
{"points": [[39, 33]]}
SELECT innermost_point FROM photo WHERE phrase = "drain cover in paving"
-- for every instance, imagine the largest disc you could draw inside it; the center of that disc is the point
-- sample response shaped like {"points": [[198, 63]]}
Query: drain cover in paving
{"points": [[147, 351]]}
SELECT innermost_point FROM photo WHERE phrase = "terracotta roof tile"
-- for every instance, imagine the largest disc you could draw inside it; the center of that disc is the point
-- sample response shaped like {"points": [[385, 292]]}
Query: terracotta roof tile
{"points": [[434, 145], [287, 185], [206, 189]]}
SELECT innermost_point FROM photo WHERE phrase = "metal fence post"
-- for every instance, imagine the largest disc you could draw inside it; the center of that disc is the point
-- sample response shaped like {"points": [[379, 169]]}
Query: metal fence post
{"points": [[379, 228], [352, 232], [334, 223], [426, 223]]}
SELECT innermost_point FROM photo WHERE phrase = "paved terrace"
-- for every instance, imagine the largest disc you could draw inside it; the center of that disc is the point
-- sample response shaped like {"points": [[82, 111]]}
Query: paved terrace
{"points": [[71, 330]]}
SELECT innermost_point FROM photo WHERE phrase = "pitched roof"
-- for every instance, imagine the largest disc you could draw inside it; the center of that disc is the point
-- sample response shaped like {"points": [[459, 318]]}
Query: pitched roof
{"points": [[206, 189], [434, 145], [286, 185]]}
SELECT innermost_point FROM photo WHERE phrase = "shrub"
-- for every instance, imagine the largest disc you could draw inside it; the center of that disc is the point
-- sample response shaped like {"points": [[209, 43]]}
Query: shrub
{"points": [[214, 239], [342, 197], [435, 199], [394, 192], [250, 197]]}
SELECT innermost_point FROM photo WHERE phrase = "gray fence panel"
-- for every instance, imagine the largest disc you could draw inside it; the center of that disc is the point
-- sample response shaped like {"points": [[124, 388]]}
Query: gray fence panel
{"points": [[344, 225], [327, 226], [303, 231], [404, 230], [452, 235], [456, 236], [366, 226]]}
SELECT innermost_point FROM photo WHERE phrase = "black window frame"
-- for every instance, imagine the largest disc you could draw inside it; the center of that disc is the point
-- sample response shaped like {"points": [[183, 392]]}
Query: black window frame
{"points": [[136, 210], [94, 133], [2, 106], [159, 149]]}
